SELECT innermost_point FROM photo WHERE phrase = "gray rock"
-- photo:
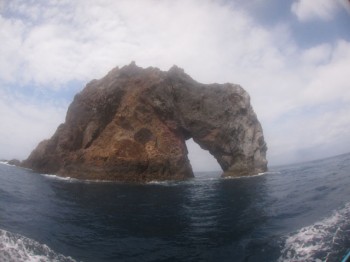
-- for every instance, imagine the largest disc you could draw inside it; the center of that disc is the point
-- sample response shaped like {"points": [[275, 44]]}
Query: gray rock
{"points": [[132, 125], [14, 162]]}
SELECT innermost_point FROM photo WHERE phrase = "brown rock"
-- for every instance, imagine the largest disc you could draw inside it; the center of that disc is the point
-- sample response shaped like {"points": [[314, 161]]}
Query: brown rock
{"points": [[132, 125]]}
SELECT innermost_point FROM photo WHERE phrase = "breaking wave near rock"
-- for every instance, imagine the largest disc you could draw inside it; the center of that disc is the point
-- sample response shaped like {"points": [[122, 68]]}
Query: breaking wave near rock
{"points": [[325, 240], [17, 248]]}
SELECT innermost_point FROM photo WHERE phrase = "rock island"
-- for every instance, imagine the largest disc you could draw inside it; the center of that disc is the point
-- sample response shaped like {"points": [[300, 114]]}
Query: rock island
{"points": [[132, 125]]}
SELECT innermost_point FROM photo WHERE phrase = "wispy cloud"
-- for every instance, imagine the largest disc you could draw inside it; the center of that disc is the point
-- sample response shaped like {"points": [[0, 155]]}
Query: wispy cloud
{"points": [[57, 43], [307, 10]]}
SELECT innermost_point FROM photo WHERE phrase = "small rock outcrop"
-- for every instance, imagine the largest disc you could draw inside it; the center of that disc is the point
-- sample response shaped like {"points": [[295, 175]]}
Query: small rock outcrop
{"points": [[14, 162], [132, 125]]}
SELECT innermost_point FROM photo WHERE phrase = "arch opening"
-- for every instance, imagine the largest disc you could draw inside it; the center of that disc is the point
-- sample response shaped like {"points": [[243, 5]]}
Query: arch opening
{"points": [[202, 162]]}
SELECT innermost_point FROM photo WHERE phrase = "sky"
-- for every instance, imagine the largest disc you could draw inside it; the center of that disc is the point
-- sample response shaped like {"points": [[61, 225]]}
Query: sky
{"points": [[292, 57]]}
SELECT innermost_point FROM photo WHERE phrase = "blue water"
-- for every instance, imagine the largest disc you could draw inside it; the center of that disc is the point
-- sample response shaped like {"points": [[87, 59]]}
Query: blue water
{"points": [[291, 213]]}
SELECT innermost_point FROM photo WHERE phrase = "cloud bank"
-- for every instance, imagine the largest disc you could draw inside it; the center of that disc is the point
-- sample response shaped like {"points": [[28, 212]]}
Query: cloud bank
{"points": [[307, 10], [300, 95]]}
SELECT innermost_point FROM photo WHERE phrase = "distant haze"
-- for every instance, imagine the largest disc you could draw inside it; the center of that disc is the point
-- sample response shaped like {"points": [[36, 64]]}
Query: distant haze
{"points": [[200, 159], [292, 57]]}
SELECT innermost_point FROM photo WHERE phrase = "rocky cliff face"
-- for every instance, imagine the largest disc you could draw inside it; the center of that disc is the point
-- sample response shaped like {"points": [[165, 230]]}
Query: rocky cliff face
{"points": [[132, 125]]}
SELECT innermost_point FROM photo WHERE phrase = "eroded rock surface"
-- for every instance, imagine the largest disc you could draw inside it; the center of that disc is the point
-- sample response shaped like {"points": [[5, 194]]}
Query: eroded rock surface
{"points": [[132, 125]]}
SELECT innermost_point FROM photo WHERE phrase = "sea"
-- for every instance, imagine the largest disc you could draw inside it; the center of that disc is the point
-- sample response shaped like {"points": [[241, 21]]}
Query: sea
{"points": [[298, 212]]}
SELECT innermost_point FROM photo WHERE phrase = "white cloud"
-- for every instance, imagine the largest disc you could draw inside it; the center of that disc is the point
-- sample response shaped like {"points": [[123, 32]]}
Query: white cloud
{"points": [[321, 9], [25, 122], [317, 123], [328, 82], [310, 134], [50, 43], [317, 55], [11, 32], [84, 40]]}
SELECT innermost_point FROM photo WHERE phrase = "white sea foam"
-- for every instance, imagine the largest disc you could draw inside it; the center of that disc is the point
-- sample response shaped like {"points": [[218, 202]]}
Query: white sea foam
{"points": [[71, 179], [207, 178], [5, 163], [163, 183], [257, 175], [60, 177], [154, 182], [320, 238], [182, 182], [271, 173], [96, 181], [17, 248]]}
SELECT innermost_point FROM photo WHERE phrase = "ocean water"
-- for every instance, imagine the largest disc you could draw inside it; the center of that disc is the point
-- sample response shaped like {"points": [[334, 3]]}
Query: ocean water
{"points": [[291, 213]]}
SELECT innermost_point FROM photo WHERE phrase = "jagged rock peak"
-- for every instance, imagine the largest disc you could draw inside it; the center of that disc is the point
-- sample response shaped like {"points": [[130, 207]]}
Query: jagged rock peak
{"points": [[131, 125]]}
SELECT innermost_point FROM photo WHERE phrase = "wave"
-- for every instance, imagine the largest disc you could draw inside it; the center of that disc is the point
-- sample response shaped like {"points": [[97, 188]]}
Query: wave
{"points": [[157, 182], [77, 180], [5, 163], [17, 248], [190, 181], [161, 183], [60, 177], [71, 179], [319, 241], [194, 180], [257, 175]]}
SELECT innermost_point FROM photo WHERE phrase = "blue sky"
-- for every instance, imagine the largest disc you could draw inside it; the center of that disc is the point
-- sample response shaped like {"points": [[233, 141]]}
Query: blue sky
{"points": [[293, 57]]}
